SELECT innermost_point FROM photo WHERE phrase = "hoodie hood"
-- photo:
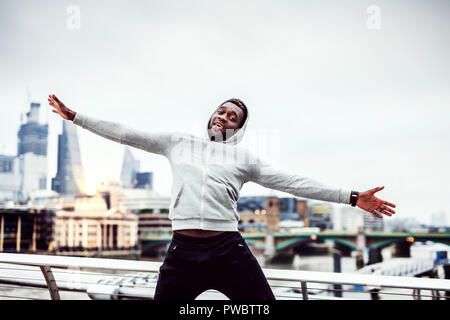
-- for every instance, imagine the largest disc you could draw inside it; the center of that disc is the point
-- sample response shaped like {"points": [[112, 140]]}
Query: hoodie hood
{"points": [[237, 136]]}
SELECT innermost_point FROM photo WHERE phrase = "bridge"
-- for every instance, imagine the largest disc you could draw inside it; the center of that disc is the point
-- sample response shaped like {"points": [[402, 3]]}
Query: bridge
{"points": [[280, 241]]}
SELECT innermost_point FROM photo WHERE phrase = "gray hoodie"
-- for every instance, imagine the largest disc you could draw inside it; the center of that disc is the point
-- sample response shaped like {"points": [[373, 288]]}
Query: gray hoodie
{"points": [[208, 176]]}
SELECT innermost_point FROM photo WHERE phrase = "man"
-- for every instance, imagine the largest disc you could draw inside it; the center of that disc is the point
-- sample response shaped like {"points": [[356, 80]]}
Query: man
{"points": [[207, 250]]}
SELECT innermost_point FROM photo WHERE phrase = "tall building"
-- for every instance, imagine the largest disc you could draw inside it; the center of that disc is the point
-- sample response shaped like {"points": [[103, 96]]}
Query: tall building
{"points": [[302, 210], [320, 216], [292, 208], [130, 175], [32, 135], [130, 168], [32, 153], [9, 177], [288, 209], [351, 219], [144, 180], [69, 178], [258, 212]]}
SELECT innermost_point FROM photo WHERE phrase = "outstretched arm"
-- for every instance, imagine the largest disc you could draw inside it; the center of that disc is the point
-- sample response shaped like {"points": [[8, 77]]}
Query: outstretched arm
{"points": [[264, 174], [152, 142]]}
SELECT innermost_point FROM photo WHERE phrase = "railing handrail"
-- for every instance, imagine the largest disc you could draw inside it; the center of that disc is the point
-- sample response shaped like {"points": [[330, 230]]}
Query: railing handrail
{"points": [[358, 279], [80, 262], [271, 274]]}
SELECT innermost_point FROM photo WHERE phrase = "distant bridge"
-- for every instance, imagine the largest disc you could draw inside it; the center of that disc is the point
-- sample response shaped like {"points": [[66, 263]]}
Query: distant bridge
{"points": [[376, 240], [285, 241]]}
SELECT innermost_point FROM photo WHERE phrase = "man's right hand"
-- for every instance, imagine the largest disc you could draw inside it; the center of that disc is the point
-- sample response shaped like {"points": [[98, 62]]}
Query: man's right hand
{"points": [[60, 108]]}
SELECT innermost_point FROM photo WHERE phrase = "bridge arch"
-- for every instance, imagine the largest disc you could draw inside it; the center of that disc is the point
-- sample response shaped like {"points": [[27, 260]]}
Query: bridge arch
{"points": [[386, 243], [298, 240], [257, 244], [291, 242], [348, 244]]}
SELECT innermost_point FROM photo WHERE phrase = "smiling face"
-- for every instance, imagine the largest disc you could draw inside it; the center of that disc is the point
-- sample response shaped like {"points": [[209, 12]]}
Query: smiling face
{"points": [[227, 119]]}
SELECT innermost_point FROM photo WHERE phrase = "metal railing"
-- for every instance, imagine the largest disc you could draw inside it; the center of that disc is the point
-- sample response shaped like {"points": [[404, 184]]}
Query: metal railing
{"points": [[62, 277]]}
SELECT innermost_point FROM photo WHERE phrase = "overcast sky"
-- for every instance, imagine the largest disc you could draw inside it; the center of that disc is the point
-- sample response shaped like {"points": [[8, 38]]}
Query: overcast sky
{"points": [[357, 96]]}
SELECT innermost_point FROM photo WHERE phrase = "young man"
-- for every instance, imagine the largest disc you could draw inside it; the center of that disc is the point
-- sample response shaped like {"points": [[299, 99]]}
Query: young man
{"points": [[207, 250]]}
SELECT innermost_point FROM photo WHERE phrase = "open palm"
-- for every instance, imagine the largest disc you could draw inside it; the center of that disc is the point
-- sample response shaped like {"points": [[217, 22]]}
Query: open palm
{"points": [[60, 108], [368, 202]]}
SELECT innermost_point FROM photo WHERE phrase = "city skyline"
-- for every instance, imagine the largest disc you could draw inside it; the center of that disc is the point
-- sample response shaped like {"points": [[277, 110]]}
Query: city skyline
{"points": [[353, 107]]}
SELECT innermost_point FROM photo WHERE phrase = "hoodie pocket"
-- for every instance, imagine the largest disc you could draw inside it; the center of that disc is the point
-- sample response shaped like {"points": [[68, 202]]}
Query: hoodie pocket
{"points": [[228, 195], [178, 196], [217, 203]]}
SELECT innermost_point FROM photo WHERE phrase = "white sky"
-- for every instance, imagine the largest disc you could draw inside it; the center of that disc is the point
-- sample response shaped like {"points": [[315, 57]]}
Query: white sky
{"points": [[352, 106]]}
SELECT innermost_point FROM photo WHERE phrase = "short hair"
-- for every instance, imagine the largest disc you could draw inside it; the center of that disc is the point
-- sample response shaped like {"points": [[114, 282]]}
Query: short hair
{"points": [[241, 105]]}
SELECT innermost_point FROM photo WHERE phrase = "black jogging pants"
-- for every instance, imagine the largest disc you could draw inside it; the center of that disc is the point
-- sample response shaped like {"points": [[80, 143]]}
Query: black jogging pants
{"points": [[222, 262]]}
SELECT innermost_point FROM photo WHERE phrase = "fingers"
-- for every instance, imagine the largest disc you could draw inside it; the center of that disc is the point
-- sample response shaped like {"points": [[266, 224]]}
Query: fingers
{"points": [[389, 204], [380, 210], [374, 190], [375, 213], [378, 213], [53, 98], [56, 99], [385, 212], [50, 99], [385, 208], [53, 103]]}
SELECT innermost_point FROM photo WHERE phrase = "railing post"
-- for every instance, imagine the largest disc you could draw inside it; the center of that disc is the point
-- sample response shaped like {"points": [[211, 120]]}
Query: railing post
{"points": [[51, 283], [2, 230], [416, 294], [337, 255], [304, 290], [18, 232]]}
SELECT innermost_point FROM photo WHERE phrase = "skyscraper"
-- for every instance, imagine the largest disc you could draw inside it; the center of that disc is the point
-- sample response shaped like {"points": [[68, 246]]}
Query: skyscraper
{"points": [[9, 177], [69, 178], [32, 153], [144, 180], [130, 168]]}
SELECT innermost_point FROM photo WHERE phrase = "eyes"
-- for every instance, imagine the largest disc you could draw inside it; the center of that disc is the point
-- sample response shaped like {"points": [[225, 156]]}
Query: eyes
{"points": [[232, 117]]}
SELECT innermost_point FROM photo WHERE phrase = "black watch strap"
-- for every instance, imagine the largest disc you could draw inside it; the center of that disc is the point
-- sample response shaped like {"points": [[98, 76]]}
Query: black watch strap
{"points": [[353, 198]]}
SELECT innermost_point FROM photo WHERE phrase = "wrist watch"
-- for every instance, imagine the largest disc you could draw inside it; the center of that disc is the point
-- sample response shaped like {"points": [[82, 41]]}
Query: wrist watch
{"points": [[353, 197]]}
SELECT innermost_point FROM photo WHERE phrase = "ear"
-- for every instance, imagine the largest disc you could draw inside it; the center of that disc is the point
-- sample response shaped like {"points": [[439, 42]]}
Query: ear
{"points": [[242, 121]]}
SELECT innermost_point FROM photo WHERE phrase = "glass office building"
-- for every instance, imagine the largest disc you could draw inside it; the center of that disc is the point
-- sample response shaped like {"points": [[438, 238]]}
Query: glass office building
{"points": [[69, 178]]}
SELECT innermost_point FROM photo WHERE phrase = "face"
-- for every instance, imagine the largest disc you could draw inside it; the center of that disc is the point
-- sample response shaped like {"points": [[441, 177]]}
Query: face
{"points": [[226, 119]]}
